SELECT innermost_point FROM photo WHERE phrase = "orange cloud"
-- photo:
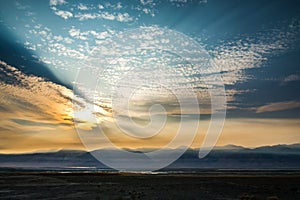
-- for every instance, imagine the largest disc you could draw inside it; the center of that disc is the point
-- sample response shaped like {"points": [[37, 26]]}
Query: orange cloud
{"points": [[35, 114], [278, 106]]}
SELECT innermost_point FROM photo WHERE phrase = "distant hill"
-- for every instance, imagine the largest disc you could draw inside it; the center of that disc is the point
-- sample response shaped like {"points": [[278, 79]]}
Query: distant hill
{"points": [[237, 157], [281, 149], [226, 157]]}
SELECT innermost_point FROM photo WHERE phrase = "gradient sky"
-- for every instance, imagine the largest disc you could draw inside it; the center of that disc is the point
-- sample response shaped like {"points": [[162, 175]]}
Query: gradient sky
{"points": [[255, 45]]}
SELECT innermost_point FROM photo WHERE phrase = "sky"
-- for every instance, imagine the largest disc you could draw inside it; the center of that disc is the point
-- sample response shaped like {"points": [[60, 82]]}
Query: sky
{"points": [[67, 66]]}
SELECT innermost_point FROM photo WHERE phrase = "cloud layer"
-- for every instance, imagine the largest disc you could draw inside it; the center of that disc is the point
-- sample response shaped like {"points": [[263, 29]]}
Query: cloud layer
{"points": [[278, 106], [35, 109]]}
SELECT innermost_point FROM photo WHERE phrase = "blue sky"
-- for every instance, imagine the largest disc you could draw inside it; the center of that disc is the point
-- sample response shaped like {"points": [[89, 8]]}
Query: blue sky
{"points": [[255, 45]]}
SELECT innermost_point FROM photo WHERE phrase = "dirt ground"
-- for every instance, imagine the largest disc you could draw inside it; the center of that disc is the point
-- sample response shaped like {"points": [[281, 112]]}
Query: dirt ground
{"points": [[229, 185]]}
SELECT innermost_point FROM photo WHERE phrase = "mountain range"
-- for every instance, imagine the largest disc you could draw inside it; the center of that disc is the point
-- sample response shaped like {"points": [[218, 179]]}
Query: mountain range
{"points": [[278, 157]]}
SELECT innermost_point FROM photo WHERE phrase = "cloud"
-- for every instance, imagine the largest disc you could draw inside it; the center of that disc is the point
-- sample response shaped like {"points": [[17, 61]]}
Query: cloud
{"points": [[56, 44], [103, 11], [74, 32], [77, 13], [61, 13], [85, 35], [180, 3], [278, 106], [292, 77], [121, 17], [100, 6], [62, 50], [21, 7], [34, 96], [186, 1], [253, 51], [38, 113], [64, 14], [145, 2], [86, 16], [82, 7], [57, 2], [118, 6], [230, 58]]}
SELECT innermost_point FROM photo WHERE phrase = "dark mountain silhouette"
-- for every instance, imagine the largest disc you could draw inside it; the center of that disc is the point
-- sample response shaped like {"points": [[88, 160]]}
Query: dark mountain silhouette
{"points": [[235, 157], [227, 157]]}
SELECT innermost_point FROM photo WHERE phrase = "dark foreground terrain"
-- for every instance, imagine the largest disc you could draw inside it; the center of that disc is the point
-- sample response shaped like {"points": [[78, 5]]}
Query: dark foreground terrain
{"points": [[200, 185]]}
